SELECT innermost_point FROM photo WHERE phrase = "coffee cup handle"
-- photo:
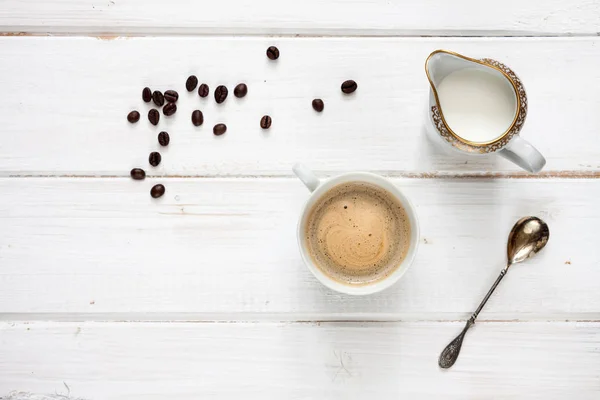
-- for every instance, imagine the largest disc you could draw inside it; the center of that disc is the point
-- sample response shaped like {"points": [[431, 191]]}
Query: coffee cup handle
{"points": [[522, 153], [307, 177]]}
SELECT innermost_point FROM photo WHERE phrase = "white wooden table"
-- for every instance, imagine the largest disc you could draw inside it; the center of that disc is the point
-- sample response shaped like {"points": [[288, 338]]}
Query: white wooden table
{"points": [[106, 293]]}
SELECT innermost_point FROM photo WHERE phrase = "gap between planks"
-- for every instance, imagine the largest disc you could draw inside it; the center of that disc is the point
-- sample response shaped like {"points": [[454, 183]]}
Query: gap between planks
{"points": [[289, 318], [390, 174], [96, 32]]}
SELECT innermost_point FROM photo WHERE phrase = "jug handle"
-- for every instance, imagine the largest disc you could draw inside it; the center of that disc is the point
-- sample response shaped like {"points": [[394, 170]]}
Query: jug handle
{"points": [[522, 153]]}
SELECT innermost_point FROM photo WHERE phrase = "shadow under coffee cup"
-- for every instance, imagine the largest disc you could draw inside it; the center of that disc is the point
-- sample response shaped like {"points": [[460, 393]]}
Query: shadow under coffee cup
{"points": [[386, 226]]}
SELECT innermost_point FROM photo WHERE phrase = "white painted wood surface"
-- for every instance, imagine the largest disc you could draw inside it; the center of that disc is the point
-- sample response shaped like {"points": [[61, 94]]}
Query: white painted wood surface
{"points": [[308, 17], [534, 360], [108, 294], [68, 117], [222, 248]]}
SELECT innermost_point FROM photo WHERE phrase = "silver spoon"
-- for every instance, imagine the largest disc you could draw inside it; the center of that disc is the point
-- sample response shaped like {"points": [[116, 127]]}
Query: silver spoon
{"points": [[527, 237]]}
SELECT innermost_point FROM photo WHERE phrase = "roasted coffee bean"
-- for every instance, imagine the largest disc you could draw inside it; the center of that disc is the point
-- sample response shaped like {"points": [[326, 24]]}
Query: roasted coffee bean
{"points": [[147, 94], [157, 191], [318, 105], [138, 174], [169, 109], [203, 90], [240, 90], [349, 86], [191, 83], [265, 122], [221, 94], [219, 129], [197, 118], [133, 117], [171, 96], [154, 158], [158, 98], [153, 116], [273, 53], [163, 138]]}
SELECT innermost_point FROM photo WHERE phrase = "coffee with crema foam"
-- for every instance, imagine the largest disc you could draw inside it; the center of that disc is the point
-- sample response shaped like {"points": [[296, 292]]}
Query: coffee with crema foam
{"points": [[357, 233]]}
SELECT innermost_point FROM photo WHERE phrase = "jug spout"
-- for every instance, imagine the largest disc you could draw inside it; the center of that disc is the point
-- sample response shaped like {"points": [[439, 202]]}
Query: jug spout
{"points": [[441, 63]]}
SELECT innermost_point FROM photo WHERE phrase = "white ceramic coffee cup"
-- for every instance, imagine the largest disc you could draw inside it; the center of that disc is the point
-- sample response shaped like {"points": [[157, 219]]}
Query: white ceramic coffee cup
{"points": [[319, 189]]}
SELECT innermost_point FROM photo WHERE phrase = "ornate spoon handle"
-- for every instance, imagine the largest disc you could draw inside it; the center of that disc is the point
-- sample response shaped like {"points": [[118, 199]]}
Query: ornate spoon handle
{"points": [[450, 354]]}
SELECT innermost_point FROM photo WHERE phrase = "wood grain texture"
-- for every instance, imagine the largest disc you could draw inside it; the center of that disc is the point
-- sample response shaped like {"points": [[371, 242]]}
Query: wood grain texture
{"points": [[211, 271], [123, 361], [69, 98], [220, 249], [21, 395], [311, 17]]}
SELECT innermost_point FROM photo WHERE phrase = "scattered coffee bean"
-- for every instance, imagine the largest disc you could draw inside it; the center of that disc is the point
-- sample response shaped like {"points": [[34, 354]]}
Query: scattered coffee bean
{"points": [[318, 105], [273, 53], [163, 138], [349, 86], [219, 129], [153, 116], [191, 83], [240, 90], [133, 117], [221, 94], [147, 94], [158, 98], [138, 174], [197, 118], [157, 191], [265, 122], [203, 90], [171, 96], [169, 109], [154, 158]]}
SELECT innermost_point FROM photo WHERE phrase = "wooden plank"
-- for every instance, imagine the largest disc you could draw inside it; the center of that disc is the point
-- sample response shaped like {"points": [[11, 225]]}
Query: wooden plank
{"points": [[310, 17], [214, 249], [67, 113], [115, 361]]}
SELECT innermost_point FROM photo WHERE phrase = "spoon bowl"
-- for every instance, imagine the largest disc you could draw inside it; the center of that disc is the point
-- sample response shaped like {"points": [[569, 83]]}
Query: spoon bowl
{"points": [[527, 237]]}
